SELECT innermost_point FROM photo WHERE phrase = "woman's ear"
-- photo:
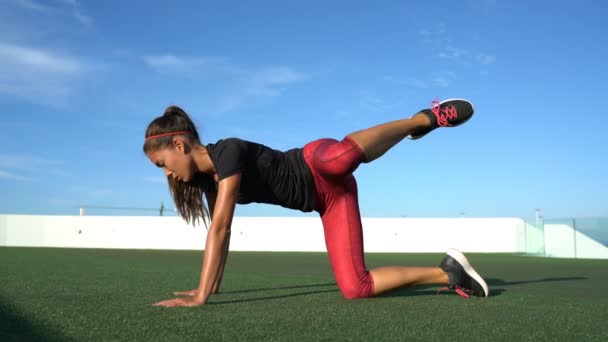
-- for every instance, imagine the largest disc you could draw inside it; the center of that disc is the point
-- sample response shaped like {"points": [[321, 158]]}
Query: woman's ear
{"points": [[182, 145]]}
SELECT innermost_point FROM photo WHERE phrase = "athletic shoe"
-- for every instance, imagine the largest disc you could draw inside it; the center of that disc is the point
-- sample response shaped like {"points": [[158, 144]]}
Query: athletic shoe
{"points": [[447, 113], [462, 277]]}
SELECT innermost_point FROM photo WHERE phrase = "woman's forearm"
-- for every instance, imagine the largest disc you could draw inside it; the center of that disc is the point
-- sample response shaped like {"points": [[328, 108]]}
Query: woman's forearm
{"points": [[217, 238], [218, 281]]}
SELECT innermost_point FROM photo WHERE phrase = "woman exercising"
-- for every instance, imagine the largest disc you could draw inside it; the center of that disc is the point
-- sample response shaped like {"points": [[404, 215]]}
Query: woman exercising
{"points": [[317, 177]]}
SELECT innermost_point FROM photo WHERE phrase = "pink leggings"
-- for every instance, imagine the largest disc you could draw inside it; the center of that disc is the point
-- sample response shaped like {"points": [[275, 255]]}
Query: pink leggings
{"points": [[332, 163]]}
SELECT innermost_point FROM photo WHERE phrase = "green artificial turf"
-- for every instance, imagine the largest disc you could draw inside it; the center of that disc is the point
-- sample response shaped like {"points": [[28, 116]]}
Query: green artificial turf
{"points": [[97, 295]]}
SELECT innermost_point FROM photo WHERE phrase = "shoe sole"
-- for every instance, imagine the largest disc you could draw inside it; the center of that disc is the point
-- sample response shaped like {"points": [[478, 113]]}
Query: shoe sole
{"points": [[442, 102], [464, 262]]}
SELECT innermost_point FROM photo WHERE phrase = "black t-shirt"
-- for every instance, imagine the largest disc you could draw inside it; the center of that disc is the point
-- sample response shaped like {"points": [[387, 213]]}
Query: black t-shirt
{"points": [[267, 175]]}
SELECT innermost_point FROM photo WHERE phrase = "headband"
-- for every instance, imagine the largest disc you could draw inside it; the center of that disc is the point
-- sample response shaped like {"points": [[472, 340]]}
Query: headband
{"points": [[167, 135]]}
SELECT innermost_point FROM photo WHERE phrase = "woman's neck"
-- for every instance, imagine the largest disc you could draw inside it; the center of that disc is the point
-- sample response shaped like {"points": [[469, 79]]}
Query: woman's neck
{"points": [[202, 160]]}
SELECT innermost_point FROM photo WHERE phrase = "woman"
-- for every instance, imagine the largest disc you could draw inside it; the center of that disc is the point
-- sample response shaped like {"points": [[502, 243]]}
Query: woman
{"points": [[316, 177]]}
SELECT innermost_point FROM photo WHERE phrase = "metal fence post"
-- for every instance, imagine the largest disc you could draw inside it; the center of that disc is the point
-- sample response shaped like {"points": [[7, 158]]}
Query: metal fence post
{"points": [[574, 232]]}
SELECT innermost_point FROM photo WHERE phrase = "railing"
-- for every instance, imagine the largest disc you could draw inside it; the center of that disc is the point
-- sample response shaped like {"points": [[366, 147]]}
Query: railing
{"points": [[565, 237], [120, 211]]}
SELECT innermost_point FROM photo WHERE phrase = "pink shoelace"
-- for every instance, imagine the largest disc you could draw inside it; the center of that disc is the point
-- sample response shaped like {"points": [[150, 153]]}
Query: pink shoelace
{"points": [[465, 293], [443, 114]]}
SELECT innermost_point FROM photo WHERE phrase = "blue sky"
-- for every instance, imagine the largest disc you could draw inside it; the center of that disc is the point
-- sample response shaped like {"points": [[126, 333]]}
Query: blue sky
{"points": [[80, 80]]}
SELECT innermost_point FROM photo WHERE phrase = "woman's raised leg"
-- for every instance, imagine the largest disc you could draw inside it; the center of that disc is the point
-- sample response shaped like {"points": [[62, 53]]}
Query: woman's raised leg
{"points": [[375, 141]]}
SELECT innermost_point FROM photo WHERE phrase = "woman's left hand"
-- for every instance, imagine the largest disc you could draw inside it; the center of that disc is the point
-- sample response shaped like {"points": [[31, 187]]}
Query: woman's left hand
{"points": [[182, 301]]}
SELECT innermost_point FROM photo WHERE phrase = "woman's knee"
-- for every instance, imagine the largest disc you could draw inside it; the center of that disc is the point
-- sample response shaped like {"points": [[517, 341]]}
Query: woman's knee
{"points": [[355, 290]]}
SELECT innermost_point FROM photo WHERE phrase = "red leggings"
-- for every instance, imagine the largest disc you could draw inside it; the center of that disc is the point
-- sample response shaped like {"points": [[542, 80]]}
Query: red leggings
{"points": [[332, 163]]}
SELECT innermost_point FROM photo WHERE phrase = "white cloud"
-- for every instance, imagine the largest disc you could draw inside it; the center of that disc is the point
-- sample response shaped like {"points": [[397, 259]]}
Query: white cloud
{"points": [[83, 19], [433, 80], [36, 60], [440, 81], [56, 8], [276, 75], [26, 162], [91, 191], [485, 59], [62, 202], [99, 192], [452, 53], [114, 124], [73, 3], [155, 179], [243, 85], [441, 44], [256, 84], [36, 72], [29, 164], [170, 62], [415, 82], [59, 172], [191, 67], [38, 75], [16, 125], [434, 36], [11, 176], [31, 5]]}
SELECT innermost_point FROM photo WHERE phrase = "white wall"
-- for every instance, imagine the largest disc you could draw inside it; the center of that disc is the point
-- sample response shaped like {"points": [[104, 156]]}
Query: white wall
{"points": [[3, 230], [100, 232], [492, 235], [262, 233]]}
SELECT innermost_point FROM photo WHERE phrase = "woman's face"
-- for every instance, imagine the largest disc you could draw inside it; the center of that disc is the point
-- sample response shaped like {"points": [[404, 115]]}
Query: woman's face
{"points": [[176, 161]]}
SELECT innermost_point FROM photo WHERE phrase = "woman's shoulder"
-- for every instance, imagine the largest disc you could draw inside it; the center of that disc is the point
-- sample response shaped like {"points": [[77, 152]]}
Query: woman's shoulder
{"points": [[252, 147], [232, 143], [233, 146]]}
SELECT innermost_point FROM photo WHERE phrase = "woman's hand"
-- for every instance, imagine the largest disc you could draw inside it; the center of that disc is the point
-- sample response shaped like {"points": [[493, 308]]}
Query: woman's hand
{"points": [[181, 301], [186, 293]]}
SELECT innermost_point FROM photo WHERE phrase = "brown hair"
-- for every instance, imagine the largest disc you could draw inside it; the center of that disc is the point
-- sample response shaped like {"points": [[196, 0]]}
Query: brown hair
{"points": [[188, 197]]}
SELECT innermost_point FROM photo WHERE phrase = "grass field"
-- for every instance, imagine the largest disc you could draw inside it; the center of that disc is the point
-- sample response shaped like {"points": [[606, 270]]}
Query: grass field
{"points": [[93, 295]]}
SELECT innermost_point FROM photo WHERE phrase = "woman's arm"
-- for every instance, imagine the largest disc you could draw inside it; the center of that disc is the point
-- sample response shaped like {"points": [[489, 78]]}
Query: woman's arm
{"points": [[211, 198], [217, 243], [218, 281], [218, 235]]}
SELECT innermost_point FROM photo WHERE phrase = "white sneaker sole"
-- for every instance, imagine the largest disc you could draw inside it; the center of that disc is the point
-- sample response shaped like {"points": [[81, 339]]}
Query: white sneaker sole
{"points": [[456, 254]]}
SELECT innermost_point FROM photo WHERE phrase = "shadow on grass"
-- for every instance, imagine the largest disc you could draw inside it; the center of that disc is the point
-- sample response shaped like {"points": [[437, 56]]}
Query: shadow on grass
{"points": [[280, 288], [272, 297], [502, 282], [418, 291], [424, 290], [492, 283], [15, 326]]}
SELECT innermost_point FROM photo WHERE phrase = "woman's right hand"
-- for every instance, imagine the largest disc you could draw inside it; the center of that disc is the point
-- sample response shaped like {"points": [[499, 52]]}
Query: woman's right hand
{"points": [[186, 293]]}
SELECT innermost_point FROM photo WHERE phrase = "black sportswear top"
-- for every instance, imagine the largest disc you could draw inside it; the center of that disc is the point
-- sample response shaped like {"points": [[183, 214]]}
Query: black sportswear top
{"points": [[267, 175]]}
